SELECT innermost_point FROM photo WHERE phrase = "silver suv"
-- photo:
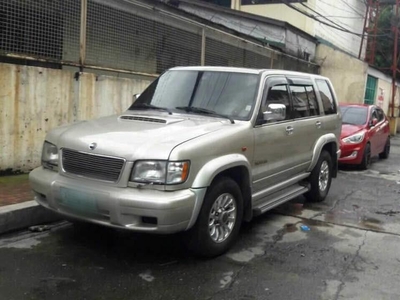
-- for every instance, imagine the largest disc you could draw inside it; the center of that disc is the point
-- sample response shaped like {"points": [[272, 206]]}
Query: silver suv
{"points": [[200, 150]]}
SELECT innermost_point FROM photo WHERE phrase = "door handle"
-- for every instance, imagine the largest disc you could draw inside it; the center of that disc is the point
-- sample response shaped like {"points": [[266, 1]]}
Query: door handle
{"points": [[289, 130], [318, 124]]}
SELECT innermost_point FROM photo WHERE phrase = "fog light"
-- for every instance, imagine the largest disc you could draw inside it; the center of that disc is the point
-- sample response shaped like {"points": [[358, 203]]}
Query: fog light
{"points": [[149, 220], [354, 154]]}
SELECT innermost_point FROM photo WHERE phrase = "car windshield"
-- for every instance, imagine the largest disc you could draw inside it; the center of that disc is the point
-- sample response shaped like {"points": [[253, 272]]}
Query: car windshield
{"points": [[226, 94], [354, 115]]}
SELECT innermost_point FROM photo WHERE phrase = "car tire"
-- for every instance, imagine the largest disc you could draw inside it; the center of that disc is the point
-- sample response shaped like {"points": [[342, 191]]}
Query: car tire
{"points": [[366, 160], [207, 238], [386, 151], [320, 178]]}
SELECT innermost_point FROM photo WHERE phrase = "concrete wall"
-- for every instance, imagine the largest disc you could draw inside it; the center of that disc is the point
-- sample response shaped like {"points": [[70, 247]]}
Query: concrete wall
{"points": [[35, 100], [384, 89], [348, 74], [384, 92]]}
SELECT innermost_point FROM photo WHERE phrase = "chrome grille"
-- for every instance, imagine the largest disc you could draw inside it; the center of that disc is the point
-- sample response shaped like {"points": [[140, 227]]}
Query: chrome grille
{"points": [[91, 165]]}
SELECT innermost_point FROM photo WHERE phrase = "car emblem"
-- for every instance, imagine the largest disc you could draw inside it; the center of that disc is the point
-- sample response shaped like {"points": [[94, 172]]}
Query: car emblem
{"points": [[92, 146]]}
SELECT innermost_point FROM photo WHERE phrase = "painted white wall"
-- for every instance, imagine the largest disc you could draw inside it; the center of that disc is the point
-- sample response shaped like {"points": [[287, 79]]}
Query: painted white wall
{"points": [[347, 13]]}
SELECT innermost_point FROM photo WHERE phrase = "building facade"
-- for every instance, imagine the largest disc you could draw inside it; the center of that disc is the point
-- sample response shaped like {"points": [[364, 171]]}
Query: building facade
{"points": [[337, 22]]}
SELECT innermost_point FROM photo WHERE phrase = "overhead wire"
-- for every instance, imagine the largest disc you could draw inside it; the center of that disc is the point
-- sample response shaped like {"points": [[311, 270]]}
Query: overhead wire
{"points": [[351, 7], [343, 36], [342, 22], [319, 14], [340, 8]]}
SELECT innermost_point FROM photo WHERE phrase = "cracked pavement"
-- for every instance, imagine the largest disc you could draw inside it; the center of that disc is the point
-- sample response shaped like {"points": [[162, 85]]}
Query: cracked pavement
{"points": [[350, 252]]}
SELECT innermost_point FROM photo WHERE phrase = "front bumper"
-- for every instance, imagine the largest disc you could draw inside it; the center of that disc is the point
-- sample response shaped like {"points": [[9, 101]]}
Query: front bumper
{"points": [[351, 154], [144, 210]]}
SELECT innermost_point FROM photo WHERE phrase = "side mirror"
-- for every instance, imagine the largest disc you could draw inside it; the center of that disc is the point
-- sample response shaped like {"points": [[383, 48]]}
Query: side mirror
{"points": [[374, 122], [275, 112], [135, 97]]}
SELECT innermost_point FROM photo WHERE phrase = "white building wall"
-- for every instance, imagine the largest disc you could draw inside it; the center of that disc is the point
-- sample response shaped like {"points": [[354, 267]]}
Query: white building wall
{"points": [[346, 13]]}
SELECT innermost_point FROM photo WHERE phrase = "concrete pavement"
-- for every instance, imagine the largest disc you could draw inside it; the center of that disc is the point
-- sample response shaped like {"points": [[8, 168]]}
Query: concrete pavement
{"points": [[350, 252], [17, 208]]}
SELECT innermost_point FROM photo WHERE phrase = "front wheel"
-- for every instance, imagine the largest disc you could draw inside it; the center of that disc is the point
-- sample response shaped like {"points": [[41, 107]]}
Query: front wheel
{"points": [[386, 151], [320, 178], [366, 160], [219, 220]]}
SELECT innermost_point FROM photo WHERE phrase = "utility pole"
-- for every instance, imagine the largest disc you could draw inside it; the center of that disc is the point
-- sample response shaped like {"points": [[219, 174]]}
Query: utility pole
{"points": [[370, 31]]}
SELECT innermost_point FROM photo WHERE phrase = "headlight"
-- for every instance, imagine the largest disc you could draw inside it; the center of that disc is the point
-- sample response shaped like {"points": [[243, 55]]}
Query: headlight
{"points": [[49, 155], [160, 172], [354, 139]]}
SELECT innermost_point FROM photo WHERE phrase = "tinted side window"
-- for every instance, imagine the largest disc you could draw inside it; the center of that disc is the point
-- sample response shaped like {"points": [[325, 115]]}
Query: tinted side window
{"points": [[312, 100], [326, 97], [278, 94], [374, 115], [381, 115], [300, 101], [304, 101]]}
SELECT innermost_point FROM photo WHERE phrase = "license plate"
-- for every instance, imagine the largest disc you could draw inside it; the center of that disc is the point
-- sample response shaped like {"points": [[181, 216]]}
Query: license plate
{"points": [[77, 200]]}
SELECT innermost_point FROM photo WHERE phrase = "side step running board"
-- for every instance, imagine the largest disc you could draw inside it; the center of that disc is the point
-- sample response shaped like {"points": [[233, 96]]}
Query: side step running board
{"points": [[280, 198]]}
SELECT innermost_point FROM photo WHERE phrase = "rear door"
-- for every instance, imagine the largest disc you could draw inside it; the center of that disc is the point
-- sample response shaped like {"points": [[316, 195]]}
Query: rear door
{"points": [[385, 129], [382, 129], [308, 121], [331, 121]]}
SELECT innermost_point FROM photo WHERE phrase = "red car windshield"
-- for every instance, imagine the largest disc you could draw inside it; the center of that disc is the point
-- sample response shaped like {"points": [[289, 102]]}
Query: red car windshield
{"points": [[354, 115]]}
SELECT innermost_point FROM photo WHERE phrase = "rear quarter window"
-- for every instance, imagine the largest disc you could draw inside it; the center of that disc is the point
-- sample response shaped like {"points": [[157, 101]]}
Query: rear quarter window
{"points": [[328, 101]]}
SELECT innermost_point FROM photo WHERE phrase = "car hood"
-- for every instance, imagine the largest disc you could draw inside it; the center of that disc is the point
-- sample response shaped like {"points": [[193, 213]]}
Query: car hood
{"points": [[135, 136], [349, 129]]}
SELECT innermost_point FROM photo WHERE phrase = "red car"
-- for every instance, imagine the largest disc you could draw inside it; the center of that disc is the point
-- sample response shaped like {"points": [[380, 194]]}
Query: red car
{"points": [[365, 134]]}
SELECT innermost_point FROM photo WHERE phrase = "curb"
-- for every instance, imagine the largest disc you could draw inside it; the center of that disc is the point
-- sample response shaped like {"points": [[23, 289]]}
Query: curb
{"points": [[23, 215]]}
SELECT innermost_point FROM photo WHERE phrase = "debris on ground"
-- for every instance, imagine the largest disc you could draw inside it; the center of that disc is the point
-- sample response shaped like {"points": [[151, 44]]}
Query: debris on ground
{"points": [[39, 228], [305, 228], [389, 213]]}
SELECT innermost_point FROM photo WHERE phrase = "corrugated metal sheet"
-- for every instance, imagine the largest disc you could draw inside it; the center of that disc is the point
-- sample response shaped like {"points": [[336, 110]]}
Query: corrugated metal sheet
{"points": [[34, 100]]}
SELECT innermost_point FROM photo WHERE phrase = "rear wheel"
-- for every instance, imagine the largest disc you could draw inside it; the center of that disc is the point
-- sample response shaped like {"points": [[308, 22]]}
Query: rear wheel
{"points": [[386, 151], [366, 161], [219, 220], [320, 178]]}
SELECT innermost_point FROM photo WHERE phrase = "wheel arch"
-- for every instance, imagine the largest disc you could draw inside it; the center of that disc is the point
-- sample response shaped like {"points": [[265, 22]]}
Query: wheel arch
{"points": [[234, 166], [327, 143]]}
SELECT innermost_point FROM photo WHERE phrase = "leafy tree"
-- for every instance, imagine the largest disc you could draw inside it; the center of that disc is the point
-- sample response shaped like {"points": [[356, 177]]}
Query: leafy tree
{"points": [[385, 40]]}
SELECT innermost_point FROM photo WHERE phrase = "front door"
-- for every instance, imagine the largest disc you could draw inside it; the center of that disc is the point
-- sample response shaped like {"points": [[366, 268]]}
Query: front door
{"points": [[274, 155], [374, 133]]}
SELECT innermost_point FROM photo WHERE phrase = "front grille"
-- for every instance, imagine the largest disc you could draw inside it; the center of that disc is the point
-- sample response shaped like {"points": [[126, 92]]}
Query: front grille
{"points": [[91, 165]]}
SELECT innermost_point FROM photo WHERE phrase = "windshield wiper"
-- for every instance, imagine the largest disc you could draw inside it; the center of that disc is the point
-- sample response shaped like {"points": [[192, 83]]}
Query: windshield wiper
{"points": [[149, 106], [199, 110]]}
